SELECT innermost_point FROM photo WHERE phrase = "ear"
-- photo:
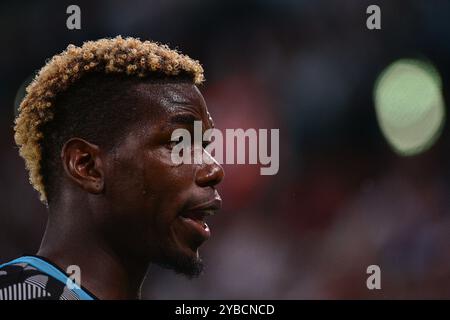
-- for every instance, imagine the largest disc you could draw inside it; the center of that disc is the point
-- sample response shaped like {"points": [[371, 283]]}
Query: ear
{"points": [[83, 164]]}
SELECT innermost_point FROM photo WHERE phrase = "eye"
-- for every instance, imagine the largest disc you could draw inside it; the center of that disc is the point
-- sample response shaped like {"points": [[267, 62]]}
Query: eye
{"points": [[174, 141], [206, 143], [207, 140]]}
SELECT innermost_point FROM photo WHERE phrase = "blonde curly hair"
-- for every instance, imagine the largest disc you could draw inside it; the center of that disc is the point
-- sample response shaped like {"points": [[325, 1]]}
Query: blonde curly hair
{"points": [[128, 56]]}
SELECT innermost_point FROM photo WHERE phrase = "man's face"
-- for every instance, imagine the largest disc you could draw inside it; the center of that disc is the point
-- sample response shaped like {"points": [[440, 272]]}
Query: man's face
{"points": [[158, 208]]}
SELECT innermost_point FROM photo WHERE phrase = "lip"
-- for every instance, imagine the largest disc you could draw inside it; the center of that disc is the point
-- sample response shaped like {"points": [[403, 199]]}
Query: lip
{"points": [[199, 227], [210, 205], [194, 216]]}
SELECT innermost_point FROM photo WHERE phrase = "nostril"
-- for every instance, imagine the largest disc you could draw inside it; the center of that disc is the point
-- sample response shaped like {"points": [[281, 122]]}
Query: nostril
{"points": [[210, 175], [218, 174]]}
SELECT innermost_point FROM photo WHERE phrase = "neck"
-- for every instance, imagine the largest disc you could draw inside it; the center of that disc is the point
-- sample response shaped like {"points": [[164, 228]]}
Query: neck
{"points": [[104, 272]]}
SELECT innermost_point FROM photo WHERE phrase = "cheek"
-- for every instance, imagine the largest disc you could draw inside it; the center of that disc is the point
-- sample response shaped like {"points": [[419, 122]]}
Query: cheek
{"points": [[163, 177], [164, 187], [167, 189], [123, 182], [149, 186]]}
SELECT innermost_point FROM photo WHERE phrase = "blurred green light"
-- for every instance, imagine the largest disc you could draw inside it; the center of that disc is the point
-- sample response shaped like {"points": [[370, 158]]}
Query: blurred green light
{"points": [[409, 105]]}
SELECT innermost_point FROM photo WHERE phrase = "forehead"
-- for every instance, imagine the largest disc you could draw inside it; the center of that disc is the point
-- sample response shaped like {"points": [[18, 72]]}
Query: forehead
{"points": [[162, 100]]}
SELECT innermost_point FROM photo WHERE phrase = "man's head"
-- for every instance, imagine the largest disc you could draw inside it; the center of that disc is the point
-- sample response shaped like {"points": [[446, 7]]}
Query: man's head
{"points": [[95, 131]]}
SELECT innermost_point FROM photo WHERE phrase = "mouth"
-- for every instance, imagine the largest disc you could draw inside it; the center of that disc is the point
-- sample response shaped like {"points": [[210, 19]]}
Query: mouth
{"points": [[194, 217]]}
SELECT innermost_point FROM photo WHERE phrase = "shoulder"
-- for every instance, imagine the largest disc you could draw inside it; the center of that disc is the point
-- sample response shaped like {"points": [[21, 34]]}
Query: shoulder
{"points": [[22, 281]]}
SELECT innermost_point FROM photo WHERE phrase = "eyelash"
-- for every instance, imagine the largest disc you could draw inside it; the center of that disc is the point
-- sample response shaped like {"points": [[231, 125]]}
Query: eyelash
{"points": [[173, 143], [206, 143]]}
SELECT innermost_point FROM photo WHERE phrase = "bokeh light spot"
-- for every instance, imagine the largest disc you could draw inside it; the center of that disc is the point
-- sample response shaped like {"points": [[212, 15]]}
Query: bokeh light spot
{"points": [[409, 105]]}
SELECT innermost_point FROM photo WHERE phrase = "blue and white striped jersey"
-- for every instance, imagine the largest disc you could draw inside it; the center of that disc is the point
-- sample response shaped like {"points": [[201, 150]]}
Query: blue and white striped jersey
{"points": [[35, 278]]}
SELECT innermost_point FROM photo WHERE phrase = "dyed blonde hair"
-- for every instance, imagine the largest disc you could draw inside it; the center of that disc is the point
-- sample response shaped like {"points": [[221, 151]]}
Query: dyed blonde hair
{"points": [[119, 55]]}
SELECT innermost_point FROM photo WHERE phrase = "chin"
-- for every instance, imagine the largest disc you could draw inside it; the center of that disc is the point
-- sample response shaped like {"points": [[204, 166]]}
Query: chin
{"points": [[189, 263]]}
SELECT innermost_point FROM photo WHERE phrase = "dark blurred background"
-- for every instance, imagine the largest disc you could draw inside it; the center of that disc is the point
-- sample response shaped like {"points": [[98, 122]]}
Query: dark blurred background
{"points": [[343, 198]]}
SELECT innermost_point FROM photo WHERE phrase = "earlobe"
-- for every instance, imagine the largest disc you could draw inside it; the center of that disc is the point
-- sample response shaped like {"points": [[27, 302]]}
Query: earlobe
{"points": [[83, 165]]}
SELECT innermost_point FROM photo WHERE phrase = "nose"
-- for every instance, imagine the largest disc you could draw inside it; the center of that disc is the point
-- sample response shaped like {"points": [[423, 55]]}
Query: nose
{"points": [[209, 175]]}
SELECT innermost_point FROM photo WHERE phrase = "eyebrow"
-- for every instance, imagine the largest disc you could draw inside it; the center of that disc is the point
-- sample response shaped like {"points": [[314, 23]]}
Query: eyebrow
{"points": [[184, 119]]}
